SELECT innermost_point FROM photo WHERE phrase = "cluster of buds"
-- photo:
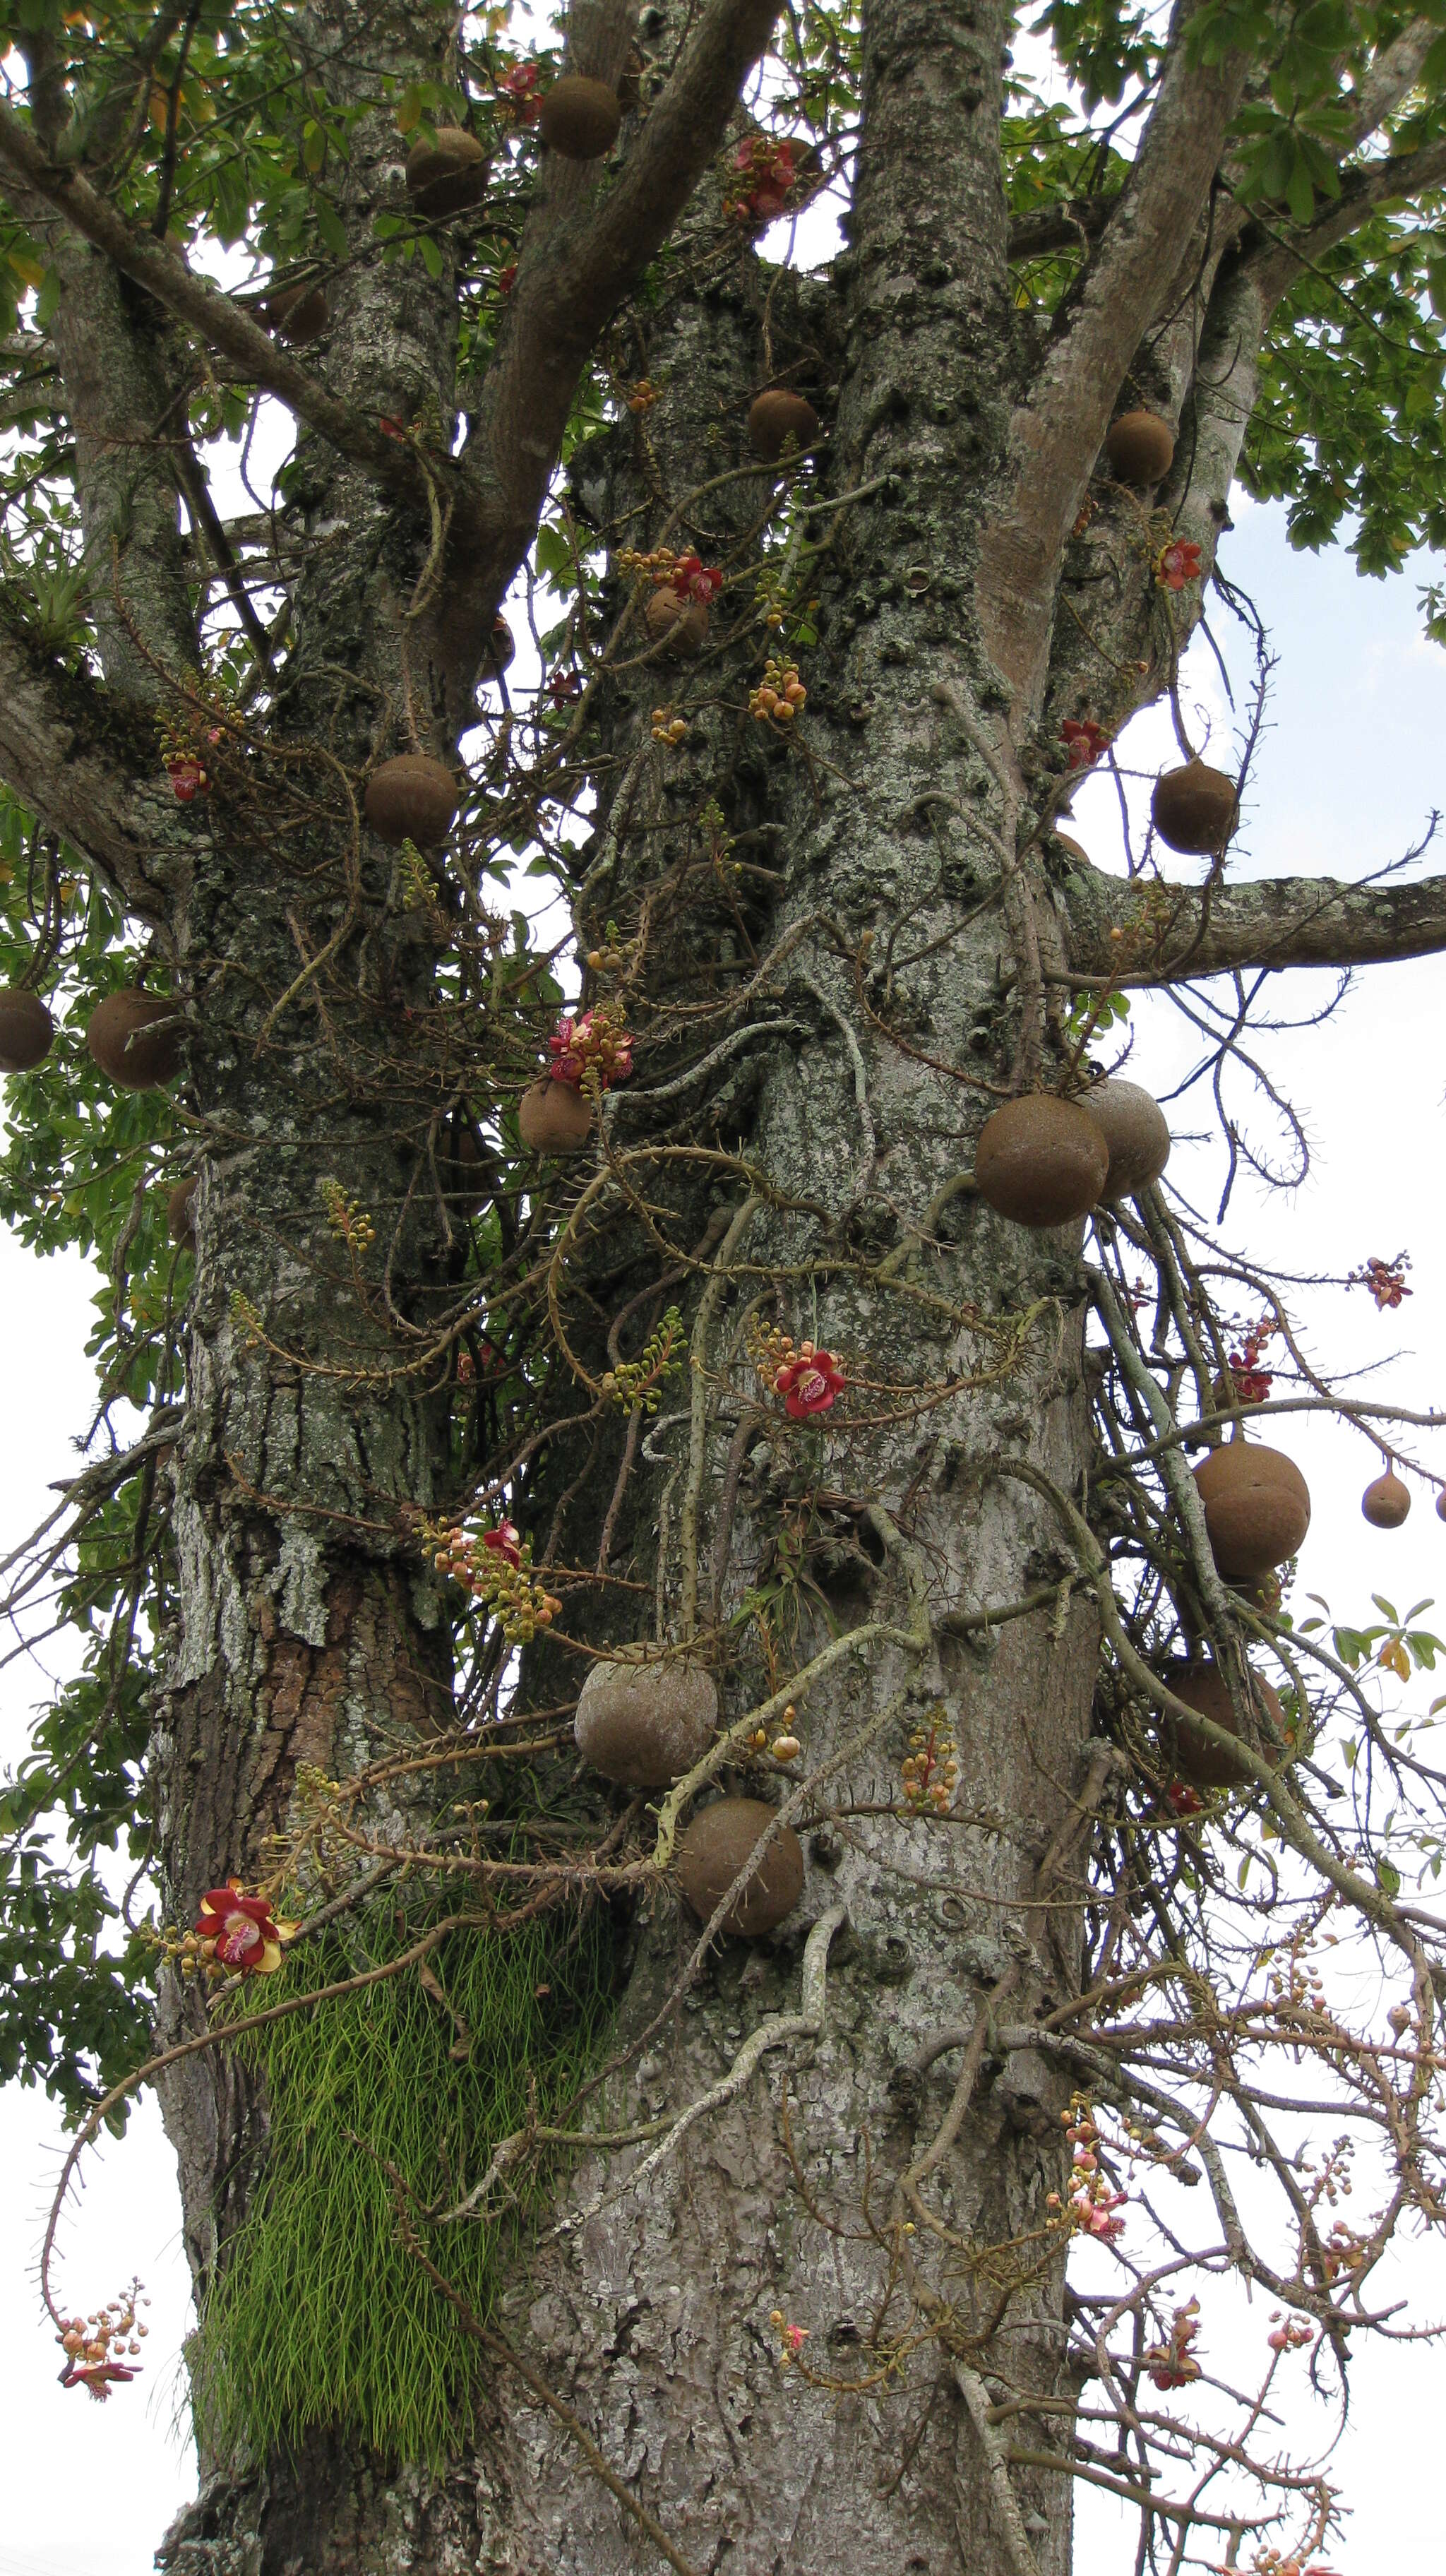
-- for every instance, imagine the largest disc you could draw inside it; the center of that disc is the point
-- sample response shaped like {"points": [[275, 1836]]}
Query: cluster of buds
{"points": [[668, 726], [520, 92], [929, 1771], [93, 2345], [785, 1746], [1090, 2208], [809, 1379], [1172, 2364], [791, 2338], [765, 173], [1252, 1383], [644, 394], [779, 694], [688, 575], [184, 761], [1386, 1280], [348, 1219], [495, 1566], [1343, 2251], [1177, 563], [1084, 741], [1293, 1985], [1269, 2562], [591, 1047], [1289, 2334], [612, 959], [659, 565], [639, 1383]]}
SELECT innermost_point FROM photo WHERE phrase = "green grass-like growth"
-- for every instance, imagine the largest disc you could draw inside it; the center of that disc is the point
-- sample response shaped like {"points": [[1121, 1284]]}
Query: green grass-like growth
{"points": [[321, 2319]]}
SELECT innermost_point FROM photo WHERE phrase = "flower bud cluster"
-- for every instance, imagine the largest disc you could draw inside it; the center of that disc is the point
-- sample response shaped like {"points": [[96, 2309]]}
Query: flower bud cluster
{"points": [[94, 2345]]}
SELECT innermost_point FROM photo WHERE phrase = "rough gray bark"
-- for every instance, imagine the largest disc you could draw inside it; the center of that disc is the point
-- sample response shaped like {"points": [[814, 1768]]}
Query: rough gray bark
{"points": [[923, 960]]}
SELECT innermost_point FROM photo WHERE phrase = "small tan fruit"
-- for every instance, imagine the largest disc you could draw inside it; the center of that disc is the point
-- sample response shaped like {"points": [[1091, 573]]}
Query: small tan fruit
{"points": [[298, 315], [1140, 447], [1134, 1129], [683, 621], [644, 1722], [1194, 809], [135, 1038], [580, 118], [26, 1030], [181, 1212], [1041, 1161], [1211, 1766], [1257, 1508], [554, 1118], [448, 177], [411, 798], [775, 418], [1386, 1502], [716, 1846]]}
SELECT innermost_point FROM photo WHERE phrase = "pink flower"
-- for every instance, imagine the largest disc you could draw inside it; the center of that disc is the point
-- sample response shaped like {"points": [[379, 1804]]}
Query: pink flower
{"points": [[590, 1039], [812, 1383], [1084, 740], [695, 579], [188, 779], [519, 89], [99, 2377], [1183, 1800], [505, 1541], [1176, 564], [240, 1929], [507, 278]]}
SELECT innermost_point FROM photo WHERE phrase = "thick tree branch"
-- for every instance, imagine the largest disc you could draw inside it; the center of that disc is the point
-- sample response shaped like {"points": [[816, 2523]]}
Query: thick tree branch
{"points": [[1281, 257], [575, 269], [62, 752], [1056, 434], [1275, 922], [220, 322]]}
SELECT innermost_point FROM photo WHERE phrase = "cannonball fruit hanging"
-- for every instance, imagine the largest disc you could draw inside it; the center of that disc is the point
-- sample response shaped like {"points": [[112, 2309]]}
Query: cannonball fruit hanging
{"points": [[447, 177], [26, 1031], [684, 622], [1257, 1508], [181, 1212], [580, 118], [1140, 447], [1207, 1765], [411, 798], [554, 1117], [135, 1038], [1386, 1501], [716, 1846], [1194, 809], [298, 315], [775, 418], [1040, 1160], [1133, 1126], [644, 1724]]}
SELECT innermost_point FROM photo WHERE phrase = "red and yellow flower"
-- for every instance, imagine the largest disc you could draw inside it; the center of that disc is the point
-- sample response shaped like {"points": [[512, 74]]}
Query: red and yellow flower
{"points": [[812, 1382], [1176, 564], [239, 1932]]}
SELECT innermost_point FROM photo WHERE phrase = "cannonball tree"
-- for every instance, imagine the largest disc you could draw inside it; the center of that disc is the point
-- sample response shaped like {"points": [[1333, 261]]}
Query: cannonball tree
{"points": [[782, 2162]]}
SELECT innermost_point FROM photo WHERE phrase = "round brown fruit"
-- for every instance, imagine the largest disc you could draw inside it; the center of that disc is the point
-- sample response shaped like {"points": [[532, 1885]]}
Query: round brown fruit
{"points": [[181, 1212], [1075, 848], [1140, 447], [1194, 809], [716, 1846], [580, 118], [447, 177], [26, 1031], [1134, 1129], [684, 622], [135, 1038], [775, 418], [644, 1723], [1257, 1508], [1041, 1161], [298, 315], [554, 1117], [1207, 1765], [1441, 1505], [1386, 1502], [411, 798]]}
